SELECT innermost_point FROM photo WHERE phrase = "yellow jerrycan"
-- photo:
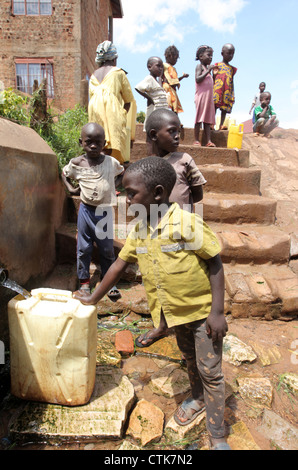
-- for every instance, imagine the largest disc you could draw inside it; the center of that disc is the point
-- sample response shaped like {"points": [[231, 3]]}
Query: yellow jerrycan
{"points": [[53, 341], [235, 136]]}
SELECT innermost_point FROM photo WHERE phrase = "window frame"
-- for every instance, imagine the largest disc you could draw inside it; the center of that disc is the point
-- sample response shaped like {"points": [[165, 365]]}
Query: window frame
{"points": [[25, 8], [40, 61]]}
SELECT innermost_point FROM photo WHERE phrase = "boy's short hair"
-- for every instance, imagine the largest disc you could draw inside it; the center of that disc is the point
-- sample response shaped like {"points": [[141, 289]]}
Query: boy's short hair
{"points": [[153, 59], [262, 95], [157, 119], [155, 171]]}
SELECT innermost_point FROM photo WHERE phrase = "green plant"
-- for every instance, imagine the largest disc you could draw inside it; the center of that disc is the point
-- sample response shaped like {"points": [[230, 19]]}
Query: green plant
{"points": [[13, 107], [141, 117], [64, 135]]}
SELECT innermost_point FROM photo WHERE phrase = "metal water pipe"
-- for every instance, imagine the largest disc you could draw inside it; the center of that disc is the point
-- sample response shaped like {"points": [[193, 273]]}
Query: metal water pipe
{"points": [[3, 275]]}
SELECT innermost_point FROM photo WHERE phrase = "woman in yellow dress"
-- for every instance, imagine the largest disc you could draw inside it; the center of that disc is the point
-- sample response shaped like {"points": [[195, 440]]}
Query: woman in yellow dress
{"points": [[110, 101]]}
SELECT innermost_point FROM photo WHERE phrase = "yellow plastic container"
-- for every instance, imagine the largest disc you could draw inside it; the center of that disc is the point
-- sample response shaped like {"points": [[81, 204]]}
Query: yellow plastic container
{"points": [[52, 347], [235, 136]]}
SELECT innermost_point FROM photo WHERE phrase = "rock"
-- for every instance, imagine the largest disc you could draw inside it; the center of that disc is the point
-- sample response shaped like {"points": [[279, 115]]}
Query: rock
{"points": [[103, 417], [164, 348], [266, 355], [256, 389], [236, 352], [106, 353], [291, 381], [240, 438], [191, 431], [124, 342], [132, 299], [126, 445], [279, 431], [146, 422], [170, 381]]}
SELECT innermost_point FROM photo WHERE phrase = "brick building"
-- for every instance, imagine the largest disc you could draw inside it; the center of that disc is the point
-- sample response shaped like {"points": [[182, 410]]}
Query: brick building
{"points": [[54, 39]]}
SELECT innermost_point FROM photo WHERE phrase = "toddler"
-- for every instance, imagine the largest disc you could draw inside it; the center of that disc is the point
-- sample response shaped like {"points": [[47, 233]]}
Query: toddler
{"points": [[171, 81], [205, 112], [223, 73]]}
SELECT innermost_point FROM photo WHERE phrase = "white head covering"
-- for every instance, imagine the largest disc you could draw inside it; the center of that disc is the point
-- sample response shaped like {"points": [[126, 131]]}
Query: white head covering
{"points": [[105, 51]]}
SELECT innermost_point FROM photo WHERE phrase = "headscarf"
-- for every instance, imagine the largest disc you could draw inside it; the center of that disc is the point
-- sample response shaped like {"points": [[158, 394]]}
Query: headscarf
{"points": [[105, 51]]}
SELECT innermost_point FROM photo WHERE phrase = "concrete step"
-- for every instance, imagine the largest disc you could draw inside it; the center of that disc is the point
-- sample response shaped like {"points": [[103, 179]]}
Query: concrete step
{"points": [[252, 244], [226, 179], [219, 138], [258, 281], [201, 155], [242, 209], [261, 291], [220, 208]]}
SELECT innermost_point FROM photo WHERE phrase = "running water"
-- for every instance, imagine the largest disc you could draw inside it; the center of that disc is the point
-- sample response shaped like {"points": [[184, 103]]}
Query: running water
{"points": [[12, 285]]}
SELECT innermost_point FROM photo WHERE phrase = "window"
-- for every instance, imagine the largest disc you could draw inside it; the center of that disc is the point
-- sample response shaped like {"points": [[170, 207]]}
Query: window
{"points": [[29, 71], [32, 7]]}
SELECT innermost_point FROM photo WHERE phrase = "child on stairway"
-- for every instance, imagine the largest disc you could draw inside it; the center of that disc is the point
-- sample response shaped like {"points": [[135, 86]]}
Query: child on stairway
{"points": [[95, 173], [223, 74], [205, 111], [179, 259], [265, 116], [256, 101], [151, 89], [171, 81], [163, 129]]}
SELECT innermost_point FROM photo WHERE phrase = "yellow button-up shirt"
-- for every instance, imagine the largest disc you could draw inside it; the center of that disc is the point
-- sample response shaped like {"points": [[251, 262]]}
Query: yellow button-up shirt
{"points": [[171, 259]]}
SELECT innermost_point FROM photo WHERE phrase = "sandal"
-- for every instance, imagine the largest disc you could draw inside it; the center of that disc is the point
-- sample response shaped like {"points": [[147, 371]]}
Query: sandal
{"points": [[210, 144], [114, 293], [85, 288], [191, 409], [150, 341], [197, 143]]}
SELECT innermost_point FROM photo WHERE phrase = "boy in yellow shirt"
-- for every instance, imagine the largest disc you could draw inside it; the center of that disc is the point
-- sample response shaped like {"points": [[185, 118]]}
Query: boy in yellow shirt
{"points": [[178, 256]]}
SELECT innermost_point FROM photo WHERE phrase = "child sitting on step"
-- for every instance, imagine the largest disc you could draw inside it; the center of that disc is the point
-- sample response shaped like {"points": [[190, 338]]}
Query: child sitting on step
{"points": [[265, 116], [95, 173], [179, 259]]}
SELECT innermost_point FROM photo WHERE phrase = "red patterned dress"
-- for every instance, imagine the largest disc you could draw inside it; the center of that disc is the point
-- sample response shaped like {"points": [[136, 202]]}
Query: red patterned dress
{"points": [[223, 91]]}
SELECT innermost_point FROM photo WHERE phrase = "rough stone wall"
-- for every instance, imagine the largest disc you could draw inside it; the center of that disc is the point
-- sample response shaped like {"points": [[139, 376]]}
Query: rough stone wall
{"points": [[69, 36], [32, 201]]}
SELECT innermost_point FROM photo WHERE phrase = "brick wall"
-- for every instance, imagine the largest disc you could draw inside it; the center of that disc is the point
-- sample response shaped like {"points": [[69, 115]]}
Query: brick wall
{"points": [[70, 35]]}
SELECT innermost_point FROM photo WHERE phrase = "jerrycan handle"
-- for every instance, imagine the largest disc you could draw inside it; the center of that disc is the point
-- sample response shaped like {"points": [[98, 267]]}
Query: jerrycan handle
{"points": [[241, 127]]}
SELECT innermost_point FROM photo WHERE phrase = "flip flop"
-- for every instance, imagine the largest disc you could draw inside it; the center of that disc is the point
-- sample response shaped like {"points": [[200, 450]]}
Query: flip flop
{"points": [[210, 144], [197, 143], [187, 406], [114, 293], [150, 341]]}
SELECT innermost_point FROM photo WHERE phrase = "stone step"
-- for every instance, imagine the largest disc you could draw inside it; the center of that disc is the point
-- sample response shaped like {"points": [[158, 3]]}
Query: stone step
{"points": [[226, 179], [220, 208], [234, 209], [252, 244], [261, 291], [219, 138], [201, 155]]}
